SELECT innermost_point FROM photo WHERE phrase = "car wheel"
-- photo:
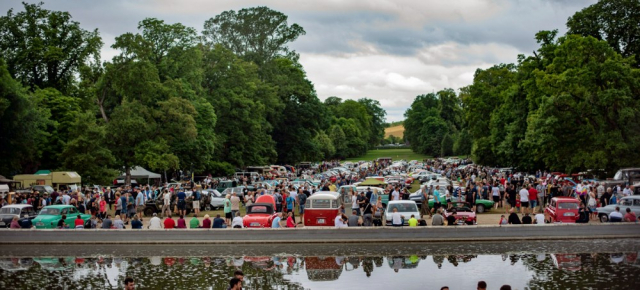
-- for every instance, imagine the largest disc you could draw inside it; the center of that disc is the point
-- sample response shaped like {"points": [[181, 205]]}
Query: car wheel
{"points": [[604, 218], [148, 211], [479, 208], [207, 207]]}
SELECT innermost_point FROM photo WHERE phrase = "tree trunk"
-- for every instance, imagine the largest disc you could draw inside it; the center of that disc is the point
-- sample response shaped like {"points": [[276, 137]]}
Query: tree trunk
{"points": [[127, 175]]}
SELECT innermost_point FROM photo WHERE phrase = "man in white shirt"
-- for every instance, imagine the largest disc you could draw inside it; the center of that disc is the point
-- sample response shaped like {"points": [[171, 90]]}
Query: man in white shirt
{"points": [[340, 222], [155, 223], [396, 218], [66, 199], [524, 199], [539, 219], [395, 195], [236, 223], [615, 216], [626, 191]]}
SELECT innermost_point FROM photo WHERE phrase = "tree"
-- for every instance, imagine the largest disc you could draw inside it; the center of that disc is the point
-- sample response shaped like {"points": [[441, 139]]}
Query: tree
{"points": [[325, 146], [463, 143], [86, 152], [614, 21], [256, 34], [44, 49], [23, 126], [339, 140], [588, 118], [377, 120], [446, 147]]}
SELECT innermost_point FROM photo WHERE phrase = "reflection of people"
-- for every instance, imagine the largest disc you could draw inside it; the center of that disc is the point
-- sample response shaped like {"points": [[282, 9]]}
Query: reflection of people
{"points": [[128, 284], [505, 287], [235, 284], [482, 285]]}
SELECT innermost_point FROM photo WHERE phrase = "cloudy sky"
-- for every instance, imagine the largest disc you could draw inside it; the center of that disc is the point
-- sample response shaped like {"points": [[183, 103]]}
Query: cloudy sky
{"points": [[386, 50]]}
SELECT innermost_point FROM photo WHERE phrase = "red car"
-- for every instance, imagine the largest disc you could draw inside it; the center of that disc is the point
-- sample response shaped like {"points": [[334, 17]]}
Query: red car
{"points": [[463, 213], [562, 209], [261, 213]]}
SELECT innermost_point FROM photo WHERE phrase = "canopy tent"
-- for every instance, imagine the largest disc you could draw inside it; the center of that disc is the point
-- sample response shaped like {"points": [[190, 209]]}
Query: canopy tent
{"points": [[371, 182], [141, 173], [7, 180]]}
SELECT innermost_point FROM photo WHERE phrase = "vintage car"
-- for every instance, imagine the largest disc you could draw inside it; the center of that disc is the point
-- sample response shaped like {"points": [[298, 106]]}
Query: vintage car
{"points": [[405, 207], [50, 215], [8, 212], [482, 205], [631, 202], [562, 209], [463, 213], [261, 213], [322, 208]]}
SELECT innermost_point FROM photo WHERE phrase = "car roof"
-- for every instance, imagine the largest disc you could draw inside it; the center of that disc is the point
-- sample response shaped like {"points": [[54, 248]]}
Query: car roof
{"points": [[324, 195], [632, 197], [566, 199], [59, 206], [400, 201], [20, 206]]}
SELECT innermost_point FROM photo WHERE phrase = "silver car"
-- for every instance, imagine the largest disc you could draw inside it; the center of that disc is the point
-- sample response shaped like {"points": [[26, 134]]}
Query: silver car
{"points": [[631, 202]]}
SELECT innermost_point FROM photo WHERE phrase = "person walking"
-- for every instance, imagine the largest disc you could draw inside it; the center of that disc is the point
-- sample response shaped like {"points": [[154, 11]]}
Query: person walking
{"points": [[166, 198]]}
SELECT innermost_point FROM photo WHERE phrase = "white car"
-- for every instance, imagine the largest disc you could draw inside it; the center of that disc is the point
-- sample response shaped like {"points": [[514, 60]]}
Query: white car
{"points": [[217, 199], [405, 207]]}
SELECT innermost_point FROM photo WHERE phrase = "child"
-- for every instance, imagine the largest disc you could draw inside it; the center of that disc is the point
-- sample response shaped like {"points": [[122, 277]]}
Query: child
{"points": [[518, 203]]}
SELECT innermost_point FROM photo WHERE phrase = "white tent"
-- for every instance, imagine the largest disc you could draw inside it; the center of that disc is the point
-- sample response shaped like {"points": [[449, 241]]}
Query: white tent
{"points": [[141, 173]]}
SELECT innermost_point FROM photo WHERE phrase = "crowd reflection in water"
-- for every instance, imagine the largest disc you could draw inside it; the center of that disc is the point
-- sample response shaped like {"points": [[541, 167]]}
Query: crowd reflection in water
{"points": [[270, 272]]}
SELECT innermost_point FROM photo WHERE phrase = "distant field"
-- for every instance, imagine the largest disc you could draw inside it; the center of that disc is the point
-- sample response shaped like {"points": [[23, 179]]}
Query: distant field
{"points": [[396, 131], [396, 154]]}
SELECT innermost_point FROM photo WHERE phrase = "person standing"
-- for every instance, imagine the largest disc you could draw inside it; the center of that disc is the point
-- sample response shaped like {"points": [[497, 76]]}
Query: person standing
{"points": [[291, 203], [227, 210], [103, 208], [524, 199], [235, 205], [354, 202], [182, 202], [302, 202], [511, 198], [197, 196], [424, 205], [140, 202], [495, 194]]}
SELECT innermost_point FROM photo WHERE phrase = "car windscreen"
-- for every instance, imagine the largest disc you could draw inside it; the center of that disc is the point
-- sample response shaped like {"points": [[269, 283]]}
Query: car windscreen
{"points": [[9, 210], [403, 207], [321, 203], [50, 211], [259, 209], [567, 205]]}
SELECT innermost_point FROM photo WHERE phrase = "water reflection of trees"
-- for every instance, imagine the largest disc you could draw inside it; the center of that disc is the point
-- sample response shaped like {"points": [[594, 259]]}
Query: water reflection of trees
{"points": [[109, 273], [582, 271]]}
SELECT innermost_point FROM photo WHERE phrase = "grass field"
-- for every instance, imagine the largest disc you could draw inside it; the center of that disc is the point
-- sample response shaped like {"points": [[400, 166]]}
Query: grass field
{"points": [[396, 154], [396, 131]]}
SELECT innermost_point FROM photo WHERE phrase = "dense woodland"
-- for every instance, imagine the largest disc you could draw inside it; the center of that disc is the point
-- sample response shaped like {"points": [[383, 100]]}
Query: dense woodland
{"points": [[231, 96], [572, 105]]}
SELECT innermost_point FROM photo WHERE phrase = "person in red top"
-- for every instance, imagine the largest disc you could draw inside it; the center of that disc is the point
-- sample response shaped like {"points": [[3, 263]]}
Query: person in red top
{"points": [[630, 216], [182, 224], [533, 197], [169, 223], [79, 222], [290, 222]]}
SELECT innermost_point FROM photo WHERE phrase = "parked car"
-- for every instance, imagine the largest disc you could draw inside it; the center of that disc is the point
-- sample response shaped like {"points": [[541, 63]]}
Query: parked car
{"points": [[482, 205], [632, 202], [216, 199], [50, 215], [8, 212], [405, 207], [562, 209], [624, 176], [464, 213], [261, 213]]}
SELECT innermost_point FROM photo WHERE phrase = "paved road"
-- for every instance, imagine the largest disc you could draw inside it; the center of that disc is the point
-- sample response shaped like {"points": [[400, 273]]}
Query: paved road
{"points": [[322, 235]]}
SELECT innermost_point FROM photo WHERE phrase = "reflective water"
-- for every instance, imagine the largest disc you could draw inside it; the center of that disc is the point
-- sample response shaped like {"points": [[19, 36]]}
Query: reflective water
{"points": [[610, 264]]}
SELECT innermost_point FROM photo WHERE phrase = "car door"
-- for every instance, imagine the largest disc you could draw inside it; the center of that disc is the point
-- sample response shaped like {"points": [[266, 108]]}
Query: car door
{"points": [[636, 207], [71, 217]]}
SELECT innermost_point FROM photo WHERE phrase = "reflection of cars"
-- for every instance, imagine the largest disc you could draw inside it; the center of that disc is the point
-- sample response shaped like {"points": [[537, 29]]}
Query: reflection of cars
{"points": [[562, 209], [464, 213], [405, 207], [8, 212], [50, 215], [322, 268], [261, 213], [631, 202], [570, 262]]}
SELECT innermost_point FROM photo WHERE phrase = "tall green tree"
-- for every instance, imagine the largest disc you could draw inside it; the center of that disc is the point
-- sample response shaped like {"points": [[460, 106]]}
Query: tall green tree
{"points": [[589, 111], [44, 49], [87, 153], [377, 120], [257, 34], [614, 21], [22, 126]]}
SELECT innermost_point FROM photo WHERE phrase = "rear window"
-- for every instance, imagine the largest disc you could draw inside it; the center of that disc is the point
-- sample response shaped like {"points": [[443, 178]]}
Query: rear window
{"points": [[260, 209], [567, 205], [321, 203]]}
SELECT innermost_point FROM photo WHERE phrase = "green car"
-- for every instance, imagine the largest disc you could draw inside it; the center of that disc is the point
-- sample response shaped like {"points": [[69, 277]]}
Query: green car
{"points": [[50, 215], [482, 205]]}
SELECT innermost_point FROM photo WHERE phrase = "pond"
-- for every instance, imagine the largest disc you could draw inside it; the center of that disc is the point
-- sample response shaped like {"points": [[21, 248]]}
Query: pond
{"points": [[599, 264]]}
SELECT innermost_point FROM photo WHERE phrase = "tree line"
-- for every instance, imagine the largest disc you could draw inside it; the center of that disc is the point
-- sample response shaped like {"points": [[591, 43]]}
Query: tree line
{"points": [[573, 105], [231, 96]]}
